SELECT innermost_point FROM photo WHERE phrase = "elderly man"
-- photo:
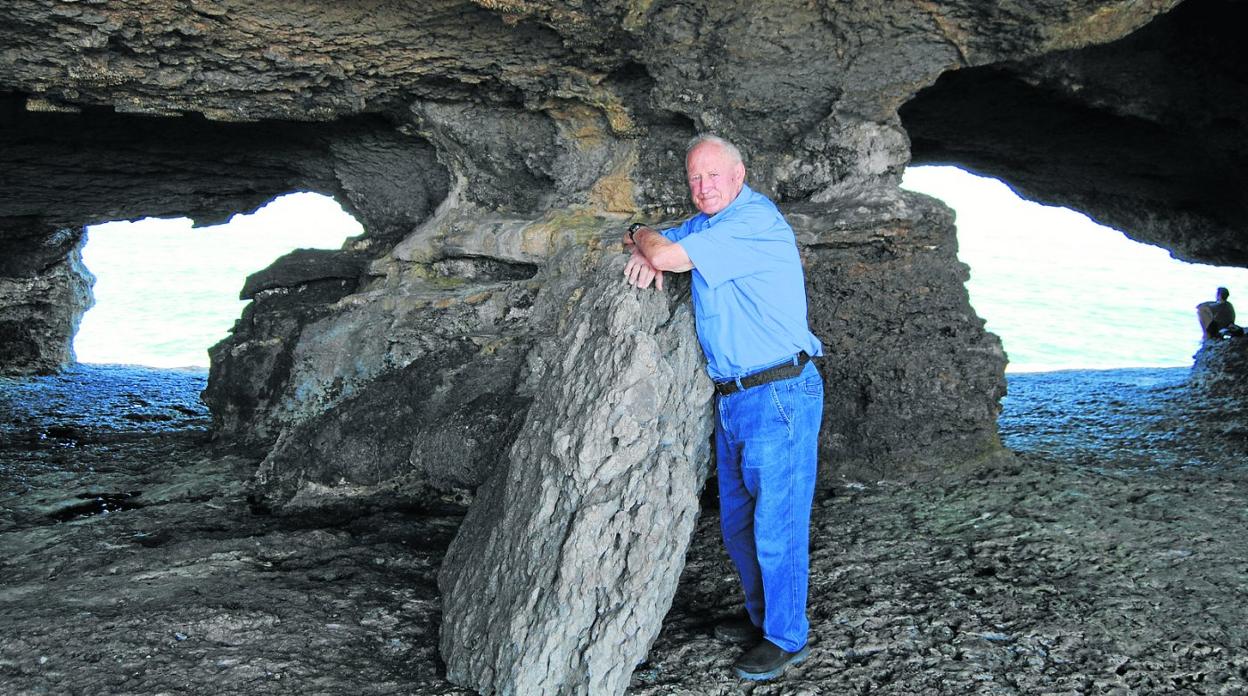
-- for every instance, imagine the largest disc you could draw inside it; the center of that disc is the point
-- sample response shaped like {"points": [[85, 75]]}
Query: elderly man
{"points": [[749, 300]]}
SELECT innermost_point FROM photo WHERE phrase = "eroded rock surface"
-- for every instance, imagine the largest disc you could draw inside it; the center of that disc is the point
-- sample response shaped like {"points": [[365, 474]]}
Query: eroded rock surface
{"points": [[436, 427], [477, 140], [1094, 128], [1220, 366], [912, 379], [44, 291], [1106, 559], [569, 557], [449, 126]]}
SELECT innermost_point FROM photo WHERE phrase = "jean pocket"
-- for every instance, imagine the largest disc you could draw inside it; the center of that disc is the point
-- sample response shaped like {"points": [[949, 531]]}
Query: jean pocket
{"points": [[785, 411], [812, 386]]}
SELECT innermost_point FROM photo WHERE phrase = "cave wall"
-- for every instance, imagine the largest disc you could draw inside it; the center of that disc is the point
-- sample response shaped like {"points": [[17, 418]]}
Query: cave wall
{"points": [[475, 139], [64, 170], [913, 380], [44, 291]]}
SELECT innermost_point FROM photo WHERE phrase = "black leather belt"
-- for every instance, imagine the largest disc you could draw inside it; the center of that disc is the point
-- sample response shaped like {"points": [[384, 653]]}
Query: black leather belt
{"points": [[783, 371]]}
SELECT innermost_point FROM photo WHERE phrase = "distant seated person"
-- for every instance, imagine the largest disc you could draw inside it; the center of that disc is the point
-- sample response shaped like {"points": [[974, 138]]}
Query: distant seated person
{"points": [[1217, 318]]}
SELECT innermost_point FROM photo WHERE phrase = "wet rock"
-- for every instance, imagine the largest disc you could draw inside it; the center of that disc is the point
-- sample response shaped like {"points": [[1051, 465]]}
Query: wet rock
{"points": [[563, 569], [89, 401], [1136, 419]]}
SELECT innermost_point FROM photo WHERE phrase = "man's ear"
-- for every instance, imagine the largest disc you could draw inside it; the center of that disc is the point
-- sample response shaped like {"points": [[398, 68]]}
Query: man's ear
{"points": [[738, 171]]}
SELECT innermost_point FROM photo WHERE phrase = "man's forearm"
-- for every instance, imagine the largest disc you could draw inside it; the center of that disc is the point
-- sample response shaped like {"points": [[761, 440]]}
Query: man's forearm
{"points": [[661, 252]]}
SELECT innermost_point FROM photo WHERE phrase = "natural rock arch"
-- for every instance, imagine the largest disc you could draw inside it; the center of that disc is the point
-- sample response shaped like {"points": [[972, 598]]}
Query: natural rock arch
{"points": [[493, 150], [1144, 134], [67, 169]]}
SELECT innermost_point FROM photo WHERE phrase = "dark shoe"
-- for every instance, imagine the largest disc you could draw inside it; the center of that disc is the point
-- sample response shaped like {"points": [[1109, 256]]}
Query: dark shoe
{"points": [[766, 661], [738, 629]]}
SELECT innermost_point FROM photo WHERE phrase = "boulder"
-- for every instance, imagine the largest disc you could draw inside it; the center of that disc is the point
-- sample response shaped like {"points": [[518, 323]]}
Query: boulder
{"points": [[560, 575]]}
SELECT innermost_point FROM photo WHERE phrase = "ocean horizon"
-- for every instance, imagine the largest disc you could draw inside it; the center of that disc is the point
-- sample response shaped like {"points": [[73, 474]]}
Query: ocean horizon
{"points": [[1062, 292]]}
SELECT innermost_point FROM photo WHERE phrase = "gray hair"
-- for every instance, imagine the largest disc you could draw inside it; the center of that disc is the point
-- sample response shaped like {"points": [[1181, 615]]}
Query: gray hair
{"points": [[728, 147]]}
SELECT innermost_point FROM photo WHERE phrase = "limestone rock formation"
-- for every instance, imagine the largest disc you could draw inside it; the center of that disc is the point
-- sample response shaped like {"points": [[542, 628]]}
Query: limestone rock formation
{"points": [[441, 423], [44, 291], [444, 126], [561, 573], [484, 144], [1219, 367], [912, 379], [1144, 134]]}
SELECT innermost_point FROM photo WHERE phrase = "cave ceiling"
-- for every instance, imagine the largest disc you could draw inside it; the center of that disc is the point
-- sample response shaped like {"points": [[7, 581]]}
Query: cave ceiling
{"points": [[1145, 134], [1127, 111], [533, 105]]}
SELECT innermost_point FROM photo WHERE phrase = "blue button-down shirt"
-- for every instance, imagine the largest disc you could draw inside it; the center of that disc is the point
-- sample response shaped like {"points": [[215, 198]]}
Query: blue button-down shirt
{"points": [[749, 292]]}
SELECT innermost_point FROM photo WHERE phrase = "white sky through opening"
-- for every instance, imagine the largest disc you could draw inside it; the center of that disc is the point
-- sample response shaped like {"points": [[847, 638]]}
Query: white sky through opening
{"points": [[165, 291], [1061, 291], [1064, 292]]}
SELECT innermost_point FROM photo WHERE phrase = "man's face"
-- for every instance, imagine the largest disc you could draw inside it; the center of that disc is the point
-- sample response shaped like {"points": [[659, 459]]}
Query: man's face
{"points": [[714, 178]]}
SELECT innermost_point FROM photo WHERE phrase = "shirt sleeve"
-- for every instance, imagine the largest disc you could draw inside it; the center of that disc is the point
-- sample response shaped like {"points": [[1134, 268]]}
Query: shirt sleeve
{"points": [[675, 234], [735, 246]]}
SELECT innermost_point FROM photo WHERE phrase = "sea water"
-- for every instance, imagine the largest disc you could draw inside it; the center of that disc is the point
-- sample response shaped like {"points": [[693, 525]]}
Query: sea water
{"points": [[1061, 291], [1064, 292], [166, 291]]}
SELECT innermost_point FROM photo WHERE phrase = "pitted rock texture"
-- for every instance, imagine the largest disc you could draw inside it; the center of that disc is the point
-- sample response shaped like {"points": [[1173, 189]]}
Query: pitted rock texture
{"points": [[250, 369], [560, 575], [797, 87], [147, 166], [67, 170], [913, 381], [440, 425], [1220, 366], [476, 140], [409, 387], [550, 103], [1107, 559]]}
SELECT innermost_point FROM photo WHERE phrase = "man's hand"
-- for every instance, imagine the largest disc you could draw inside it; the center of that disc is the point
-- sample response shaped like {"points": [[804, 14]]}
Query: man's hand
{"points": [[660, 253], [640, 273]]}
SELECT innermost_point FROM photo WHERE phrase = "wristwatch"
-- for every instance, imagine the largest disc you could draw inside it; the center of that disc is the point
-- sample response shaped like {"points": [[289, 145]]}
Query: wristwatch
{"points": [[632, 230]]}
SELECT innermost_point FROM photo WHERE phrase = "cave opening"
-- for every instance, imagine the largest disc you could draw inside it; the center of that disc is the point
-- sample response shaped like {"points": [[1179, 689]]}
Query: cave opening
{"points": [[1064, 292], [166, 291]]}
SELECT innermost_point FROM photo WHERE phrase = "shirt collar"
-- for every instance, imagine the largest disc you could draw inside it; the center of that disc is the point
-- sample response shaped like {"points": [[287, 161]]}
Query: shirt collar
{"points": [[745, 193]]}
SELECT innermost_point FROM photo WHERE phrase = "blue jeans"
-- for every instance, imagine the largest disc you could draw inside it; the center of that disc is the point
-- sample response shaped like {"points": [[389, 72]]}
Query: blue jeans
{"points": [[766, 446]]}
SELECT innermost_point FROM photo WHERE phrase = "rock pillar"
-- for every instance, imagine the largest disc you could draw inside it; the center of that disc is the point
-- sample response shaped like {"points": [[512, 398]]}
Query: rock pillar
{"points": [[563, 569], [44, 291]]}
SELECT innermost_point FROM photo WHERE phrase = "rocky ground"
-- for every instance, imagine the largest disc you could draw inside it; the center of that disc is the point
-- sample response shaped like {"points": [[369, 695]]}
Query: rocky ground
{"points": [[1107, 557]]}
